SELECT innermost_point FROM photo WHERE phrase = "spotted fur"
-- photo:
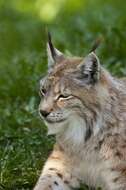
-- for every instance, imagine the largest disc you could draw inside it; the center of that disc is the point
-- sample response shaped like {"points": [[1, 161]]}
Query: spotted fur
{"points": [[85, 107]]}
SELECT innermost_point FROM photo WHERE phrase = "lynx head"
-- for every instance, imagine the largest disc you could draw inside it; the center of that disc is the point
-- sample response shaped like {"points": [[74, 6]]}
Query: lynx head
{"points": [[71, 92]]}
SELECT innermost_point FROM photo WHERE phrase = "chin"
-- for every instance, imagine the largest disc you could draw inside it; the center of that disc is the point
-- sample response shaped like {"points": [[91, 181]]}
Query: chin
{"points": [[56, 128]]}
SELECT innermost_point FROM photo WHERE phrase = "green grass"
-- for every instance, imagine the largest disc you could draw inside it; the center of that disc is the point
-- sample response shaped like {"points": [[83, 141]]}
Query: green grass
{"points": [[24, 145]]}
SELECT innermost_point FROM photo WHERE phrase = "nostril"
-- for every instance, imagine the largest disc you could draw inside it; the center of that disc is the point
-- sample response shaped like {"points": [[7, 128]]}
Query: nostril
{"points": [[44, 113]]}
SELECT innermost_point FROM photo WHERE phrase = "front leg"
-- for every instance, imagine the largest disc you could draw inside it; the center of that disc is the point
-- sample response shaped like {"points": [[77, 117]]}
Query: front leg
{"points": [[57, 173]]}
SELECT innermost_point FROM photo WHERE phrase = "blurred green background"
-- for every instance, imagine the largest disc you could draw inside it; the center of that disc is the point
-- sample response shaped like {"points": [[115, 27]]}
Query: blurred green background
{"points": [[75, 25]]}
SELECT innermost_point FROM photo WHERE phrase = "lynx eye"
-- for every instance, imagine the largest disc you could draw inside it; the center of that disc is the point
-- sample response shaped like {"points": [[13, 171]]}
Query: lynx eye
{"points": [[42, 91], [61, 96]]}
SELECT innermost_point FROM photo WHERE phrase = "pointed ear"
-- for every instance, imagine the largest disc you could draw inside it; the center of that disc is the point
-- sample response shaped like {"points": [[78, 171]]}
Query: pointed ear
{"points": [[53, 54], [90, 68]]}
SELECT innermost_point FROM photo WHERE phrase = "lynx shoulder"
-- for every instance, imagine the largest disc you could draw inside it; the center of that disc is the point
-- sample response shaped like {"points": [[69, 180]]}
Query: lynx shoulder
{"points": [[84, 106]]}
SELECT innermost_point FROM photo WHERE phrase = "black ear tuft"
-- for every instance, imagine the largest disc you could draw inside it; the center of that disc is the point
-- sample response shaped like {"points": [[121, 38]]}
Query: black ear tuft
{"points": [[96, 44], [54, 55], [51, 47]]}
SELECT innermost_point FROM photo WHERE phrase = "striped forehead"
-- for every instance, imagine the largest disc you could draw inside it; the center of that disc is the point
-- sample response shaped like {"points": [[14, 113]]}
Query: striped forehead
{"points": [[60, 69], [54, 83]]}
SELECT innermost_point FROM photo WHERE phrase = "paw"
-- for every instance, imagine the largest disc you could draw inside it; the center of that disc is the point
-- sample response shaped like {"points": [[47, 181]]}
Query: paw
{"points": [[43, 186], [51, 183]]}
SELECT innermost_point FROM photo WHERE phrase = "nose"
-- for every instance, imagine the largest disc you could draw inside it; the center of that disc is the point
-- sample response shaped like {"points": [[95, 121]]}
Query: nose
{"points": [[44, 113]]}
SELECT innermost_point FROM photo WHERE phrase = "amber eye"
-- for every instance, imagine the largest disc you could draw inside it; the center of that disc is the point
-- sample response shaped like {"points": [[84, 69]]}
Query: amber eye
{"points": [[61, 96]]}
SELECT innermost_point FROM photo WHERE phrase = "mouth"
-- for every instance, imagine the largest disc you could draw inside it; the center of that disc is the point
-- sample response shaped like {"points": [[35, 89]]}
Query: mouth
{"points": [[54, 120]]}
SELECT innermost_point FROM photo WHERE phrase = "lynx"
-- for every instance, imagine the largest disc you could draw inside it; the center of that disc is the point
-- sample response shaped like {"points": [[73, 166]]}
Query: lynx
{"points": [[84, 106]]}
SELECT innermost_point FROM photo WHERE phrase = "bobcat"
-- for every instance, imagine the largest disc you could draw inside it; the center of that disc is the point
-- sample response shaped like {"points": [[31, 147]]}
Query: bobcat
{"points": [[85, 107]]}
